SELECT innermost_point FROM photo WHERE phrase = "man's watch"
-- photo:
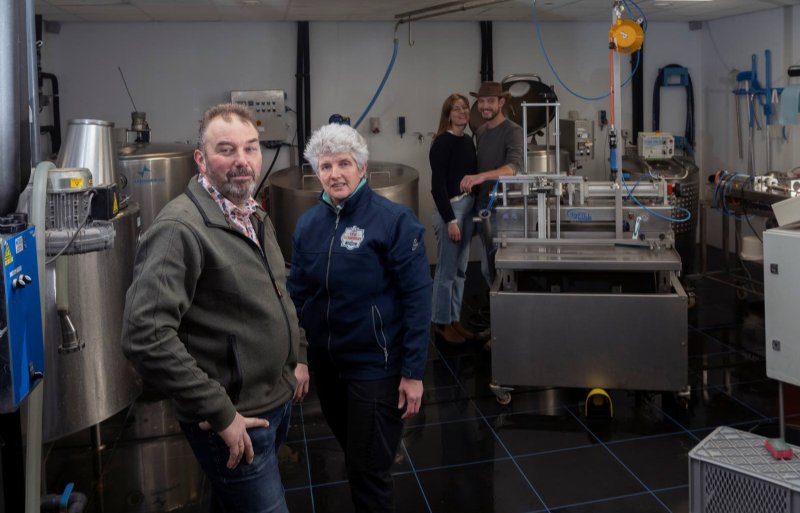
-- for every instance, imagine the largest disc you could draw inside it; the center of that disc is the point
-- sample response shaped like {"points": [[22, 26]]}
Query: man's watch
{"points": [[453, 221]]}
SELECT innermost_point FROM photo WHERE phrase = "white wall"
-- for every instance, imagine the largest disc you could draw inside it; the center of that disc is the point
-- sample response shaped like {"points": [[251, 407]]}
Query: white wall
{"points": [[727, 46], [176, 70]]}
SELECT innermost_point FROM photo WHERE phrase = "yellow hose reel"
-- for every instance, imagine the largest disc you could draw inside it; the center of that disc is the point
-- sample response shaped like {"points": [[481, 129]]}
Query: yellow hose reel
{"points": [[627, 35]]}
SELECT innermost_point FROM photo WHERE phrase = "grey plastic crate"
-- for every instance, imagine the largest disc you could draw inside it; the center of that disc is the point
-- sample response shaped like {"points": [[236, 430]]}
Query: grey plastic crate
{"points": [[731, 471]]}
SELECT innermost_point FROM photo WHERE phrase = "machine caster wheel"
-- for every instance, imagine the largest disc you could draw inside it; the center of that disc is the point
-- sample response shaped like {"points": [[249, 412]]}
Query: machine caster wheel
{"points": [[501, 393], [691, 299], [504, 398]]}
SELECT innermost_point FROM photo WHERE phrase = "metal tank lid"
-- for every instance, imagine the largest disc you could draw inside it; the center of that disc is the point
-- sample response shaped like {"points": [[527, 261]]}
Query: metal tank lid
{"points": [[90, 122], [154, 150], [379, 175]]}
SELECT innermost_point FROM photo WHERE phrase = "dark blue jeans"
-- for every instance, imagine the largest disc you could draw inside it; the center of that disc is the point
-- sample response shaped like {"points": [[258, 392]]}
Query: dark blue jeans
{"points": [[254, 488], [364, 418]]}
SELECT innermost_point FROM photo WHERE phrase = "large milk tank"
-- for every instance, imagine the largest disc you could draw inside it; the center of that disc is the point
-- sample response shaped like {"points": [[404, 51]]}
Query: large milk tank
{"points": [[294, 190], [155, 173], [85, 387]]}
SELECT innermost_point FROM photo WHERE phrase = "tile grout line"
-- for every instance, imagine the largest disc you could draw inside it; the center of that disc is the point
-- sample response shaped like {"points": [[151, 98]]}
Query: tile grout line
{"points": [[675, 421], [416, 476], [495, 434], [722, 389], [613, 455], [308, 458]]}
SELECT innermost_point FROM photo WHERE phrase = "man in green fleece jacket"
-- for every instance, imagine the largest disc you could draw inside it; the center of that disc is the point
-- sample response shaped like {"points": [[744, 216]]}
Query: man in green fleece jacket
{"points": [[208, 320]]}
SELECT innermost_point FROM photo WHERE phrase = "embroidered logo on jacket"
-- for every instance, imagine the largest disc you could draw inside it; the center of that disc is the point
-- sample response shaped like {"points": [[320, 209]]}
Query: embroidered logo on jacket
{"points": [[352, 237]]}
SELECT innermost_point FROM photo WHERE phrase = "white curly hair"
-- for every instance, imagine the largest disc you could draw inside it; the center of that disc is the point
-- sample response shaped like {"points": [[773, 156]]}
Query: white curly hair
{"points": [[335, 138]]}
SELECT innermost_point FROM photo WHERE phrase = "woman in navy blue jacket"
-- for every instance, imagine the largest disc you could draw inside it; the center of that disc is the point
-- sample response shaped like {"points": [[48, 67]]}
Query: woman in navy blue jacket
{"points": [[361, 284]]}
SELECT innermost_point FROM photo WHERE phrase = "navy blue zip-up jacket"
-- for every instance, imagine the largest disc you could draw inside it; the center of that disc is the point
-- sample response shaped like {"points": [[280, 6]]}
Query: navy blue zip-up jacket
{"points": [[361, 284]]}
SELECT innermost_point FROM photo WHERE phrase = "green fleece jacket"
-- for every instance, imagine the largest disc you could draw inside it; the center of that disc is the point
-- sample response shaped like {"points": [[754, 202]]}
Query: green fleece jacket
{"points": [[207, 318]]}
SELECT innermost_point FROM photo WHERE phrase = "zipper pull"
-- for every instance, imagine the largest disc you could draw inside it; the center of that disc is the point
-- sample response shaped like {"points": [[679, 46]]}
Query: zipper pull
{"points": [[385, 358]]}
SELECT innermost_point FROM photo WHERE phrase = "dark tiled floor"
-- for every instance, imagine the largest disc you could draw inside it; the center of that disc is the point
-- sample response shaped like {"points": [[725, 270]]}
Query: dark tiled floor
{"points": [[467, 453]]}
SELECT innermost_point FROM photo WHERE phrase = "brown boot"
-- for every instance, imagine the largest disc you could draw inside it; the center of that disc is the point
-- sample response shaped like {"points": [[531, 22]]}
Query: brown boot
{"points": [[464, 332], [447, 333]]}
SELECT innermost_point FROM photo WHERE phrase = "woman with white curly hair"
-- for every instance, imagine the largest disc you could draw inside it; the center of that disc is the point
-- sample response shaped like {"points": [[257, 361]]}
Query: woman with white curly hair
{"points": [[361, 284]]}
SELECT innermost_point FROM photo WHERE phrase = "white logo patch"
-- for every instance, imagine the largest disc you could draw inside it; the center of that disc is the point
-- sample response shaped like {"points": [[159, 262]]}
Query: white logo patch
{"points": [[352, 237], [414, 245]]}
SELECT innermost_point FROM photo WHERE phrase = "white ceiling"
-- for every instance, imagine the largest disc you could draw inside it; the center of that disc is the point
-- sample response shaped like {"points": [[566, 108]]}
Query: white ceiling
{"points": [[383, 10]]}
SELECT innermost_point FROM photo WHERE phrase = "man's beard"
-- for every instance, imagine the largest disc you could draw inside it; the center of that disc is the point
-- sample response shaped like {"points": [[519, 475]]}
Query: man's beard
{"points": [[237, 193], [493, 115]]}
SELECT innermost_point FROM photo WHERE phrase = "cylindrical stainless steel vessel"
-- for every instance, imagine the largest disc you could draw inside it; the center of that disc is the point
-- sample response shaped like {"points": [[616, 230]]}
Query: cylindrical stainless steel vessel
{"points": [[90, 144], [85, 387], [292, 192], [540, 160], [155, 173], [15, 157], [147, 475]]}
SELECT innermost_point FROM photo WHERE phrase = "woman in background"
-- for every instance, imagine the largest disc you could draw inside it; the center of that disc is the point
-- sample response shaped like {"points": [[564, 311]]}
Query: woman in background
{"points": [[452, 156]]}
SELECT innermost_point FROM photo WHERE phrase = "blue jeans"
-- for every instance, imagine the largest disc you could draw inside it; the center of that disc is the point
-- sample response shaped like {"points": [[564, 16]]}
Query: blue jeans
{"points": [[451, 263], [253, 488]]}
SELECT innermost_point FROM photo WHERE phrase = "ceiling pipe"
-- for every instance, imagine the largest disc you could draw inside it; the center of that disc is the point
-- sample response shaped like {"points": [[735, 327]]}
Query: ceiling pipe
{"points": [[442, 9], [14, 127]]}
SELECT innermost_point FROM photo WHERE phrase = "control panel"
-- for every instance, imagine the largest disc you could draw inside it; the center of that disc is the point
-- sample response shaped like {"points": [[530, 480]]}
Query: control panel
{"points": [[268, 108], [656, 145], [577, 137], [21, 341]]}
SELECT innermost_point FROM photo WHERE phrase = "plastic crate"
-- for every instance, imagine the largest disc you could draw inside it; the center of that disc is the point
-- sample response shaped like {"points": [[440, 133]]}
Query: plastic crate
{"points": [[731, 471]]}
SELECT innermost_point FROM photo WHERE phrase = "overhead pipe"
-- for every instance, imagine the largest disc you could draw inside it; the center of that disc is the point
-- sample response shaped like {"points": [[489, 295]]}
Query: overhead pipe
{"points": [[487, 51], [54, 130], [307, 79], [33, 85], [302, 89], [442, 9], [14, 128]]}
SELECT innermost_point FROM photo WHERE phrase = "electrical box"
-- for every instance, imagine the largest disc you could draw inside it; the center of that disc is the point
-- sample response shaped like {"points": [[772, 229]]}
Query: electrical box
{"points": [[656, 145], [577, 137], [21, 341], [268, 108], [781, 297]]}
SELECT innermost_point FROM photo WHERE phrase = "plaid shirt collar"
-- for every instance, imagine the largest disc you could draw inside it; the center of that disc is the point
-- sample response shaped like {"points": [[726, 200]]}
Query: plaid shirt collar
{"points": [[236, 215]]}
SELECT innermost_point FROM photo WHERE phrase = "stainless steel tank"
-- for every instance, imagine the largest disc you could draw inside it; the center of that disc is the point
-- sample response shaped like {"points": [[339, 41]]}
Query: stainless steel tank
{"points": [[292, 191], [543, 160], [87, 386], [90, 144], [152, 174]]}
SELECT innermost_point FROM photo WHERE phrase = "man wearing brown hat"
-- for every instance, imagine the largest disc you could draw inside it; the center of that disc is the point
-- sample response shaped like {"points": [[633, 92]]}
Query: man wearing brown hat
{"points": [[500, 147]]}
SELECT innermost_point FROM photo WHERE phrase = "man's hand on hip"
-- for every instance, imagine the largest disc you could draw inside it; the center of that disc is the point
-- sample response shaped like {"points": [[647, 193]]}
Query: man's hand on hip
{"points": [[236, 438]]}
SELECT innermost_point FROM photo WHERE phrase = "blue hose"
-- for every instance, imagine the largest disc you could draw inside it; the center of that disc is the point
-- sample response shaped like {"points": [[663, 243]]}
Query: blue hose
{"points": [[380, 87], [555, 73], [653, 212]]}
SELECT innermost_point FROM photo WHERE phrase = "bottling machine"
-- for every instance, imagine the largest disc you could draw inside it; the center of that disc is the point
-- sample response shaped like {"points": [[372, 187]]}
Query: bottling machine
{"points": [[586, 292]]}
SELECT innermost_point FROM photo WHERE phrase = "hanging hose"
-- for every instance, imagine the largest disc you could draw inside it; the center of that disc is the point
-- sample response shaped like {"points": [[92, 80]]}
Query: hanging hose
{"points": [[383, 82], [555, 73], [266, 175]]}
